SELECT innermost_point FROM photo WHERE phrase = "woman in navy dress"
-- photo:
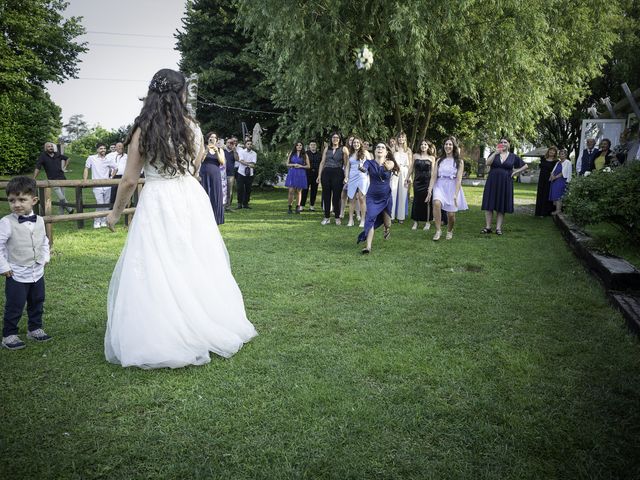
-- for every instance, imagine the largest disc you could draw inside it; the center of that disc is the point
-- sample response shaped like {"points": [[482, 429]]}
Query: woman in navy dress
{"points": [[560, 177], [498, 191], [379, 201], [211, 179], [544, 206], [298, 163]]}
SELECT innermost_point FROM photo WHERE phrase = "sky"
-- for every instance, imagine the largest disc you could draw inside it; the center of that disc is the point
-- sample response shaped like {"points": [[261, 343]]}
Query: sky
{"points": [[128, 41]]}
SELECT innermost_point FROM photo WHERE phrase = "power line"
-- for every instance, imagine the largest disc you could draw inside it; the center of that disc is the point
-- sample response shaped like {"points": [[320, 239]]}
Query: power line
{"points": [[129, 34], [111, 79], [204, 101], [128, 46]]}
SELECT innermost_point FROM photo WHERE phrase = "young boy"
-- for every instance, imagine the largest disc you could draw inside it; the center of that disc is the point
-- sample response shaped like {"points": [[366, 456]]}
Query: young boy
{"points": [[24, 251]]}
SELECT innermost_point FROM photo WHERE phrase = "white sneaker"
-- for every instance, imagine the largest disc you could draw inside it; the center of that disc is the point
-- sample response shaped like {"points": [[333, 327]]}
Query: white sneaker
{"points": [[312, 208], [414, 226], [427, 226], [325, 221], [449, 235], [12, 342], [96, 224], [437, 236], [338, 221]]}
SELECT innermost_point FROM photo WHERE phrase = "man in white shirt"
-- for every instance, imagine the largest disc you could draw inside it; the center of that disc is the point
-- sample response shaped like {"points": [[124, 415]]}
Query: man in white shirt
{"points": [[101, 168], [247, 162], [120, 159]]}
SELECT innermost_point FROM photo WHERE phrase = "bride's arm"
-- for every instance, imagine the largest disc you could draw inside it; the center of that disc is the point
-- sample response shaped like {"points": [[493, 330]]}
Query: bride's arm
{"points": [[128, 182]]}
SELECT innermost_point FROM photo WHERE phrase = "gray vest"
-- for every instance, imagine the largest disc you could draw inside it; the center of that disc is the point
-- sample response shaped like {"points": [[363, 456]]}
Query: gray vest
{"points": [[334, 159], [24, 247]]}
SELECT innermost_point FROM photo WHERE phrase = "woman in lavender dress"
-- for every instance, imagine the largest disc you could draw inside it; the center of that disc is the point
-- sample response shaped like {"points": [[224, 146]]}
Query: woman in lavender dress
{"points": [[298, 163], [446, 187]]}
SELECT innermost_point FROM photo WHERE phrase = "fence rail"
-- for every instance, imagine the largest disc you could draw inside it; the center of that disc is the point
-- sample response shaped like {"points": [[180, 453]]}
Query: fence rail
{"points": [[46, 203]]}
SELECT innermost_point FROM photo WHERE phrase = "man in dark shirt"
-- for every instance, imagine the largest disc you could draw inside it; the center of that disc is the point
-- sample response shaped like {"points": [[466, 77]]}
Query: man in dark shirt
{"points": [[315, 157], [52, 161]]}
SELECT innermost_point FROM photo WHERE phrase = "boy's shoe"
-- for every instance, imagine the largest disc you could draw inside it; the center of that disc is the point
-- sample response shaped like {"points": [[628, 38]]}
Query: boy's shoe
{"points": [[12, 342], [39, 335], [312, 208]]}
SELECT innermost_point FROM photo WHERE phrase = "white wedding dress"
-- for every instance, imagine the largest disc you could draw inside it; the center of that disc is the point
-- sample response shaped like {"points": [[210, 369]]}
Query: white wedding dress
{"points": [[172, 297]]}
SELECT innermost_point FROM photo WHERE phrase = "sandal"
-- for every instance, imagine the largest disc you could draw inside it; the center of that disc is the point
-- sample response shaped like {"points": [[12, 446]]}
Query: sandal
{"points": [[498, 231], [386, 234], [485, 230], [365, 251]]}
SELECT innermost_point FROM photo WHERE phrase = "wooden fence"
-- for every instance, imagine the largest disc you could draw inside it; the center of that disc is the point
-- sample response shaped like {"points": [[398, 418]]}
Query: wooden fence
{"points": [[46, 204]]}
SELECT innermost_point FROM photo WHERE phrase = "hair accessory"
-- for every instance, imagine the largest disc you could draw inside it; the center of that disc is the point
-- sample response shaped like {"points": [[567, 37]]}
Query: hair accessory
{"points": [[160, 85]]}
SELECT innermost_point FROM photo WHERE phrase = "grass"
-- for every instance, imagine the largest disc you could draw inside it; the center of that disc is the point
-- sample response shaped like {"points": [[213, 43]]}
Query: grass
{"points": [[483, 357]]}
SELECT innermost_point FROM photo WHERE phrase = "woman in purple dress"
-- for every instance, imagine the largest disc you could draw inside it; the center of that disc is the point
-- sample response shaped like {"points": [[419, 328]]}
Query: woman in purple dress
{"points": [[560, 177], [379, 201], [446, 187], [210, 177], [498, 191], [298, 163]]}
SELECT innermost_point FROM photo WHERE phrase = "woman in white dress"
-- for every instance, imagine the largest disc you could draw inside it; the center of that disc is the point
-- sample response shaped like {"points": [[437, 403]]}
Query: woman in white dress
{"points": [[400, 183], [172, 297]]}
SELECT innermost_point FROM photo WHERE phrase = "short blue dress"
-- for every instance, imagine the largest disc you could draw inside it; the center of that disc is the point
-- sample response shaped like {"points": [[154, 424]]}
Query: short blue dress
{"points": [[296, 177], [559, 185], [357, 180], [379, 199]]}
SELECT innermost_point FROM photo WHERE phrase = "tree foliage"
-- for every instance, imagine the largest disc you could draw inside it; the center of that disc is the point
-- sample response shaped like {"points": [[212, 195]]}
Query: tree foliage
{"points": [[27, 120], [216, 50], [86, 144], [37, 43], [36, 46], [502, 63]]}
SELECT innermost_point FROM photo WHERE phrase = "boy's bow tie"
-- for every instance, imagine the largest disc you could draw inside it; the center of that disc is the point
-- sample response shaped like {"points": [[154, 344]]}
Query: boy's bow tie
{"points": [[30, 218]]}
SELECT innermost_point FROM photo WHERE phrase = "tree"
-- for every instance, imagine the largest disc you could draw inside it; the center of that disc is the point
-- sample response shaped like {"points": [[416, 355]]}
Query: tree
{"points": [[562, 127], [36, 46], [37, 43], [216, 50], [503, 63], [77, 127]]}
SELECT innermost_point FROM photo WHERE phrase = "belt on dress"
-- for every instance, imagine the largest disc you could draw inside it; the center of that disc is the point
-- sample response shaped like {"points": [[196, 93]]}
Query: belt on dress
{"points": [[451, 177]]}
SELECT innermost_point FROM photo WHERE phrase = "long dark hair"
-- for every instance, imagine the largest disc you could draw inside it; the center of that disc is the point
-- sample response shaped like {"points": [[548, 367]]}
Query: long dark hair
{"points": [[396, 168], [360, 155], [303, 154], [166, 138], [455, 153]]}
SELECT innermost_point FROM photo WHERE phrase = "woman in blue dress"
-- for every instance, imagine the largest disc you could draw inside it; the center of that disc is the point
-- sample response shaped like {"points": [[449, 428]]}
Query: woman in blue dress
{"points": [[498, 191], [379, 201], [298, 163], [211, 179], [559, 178], [357, 181]]}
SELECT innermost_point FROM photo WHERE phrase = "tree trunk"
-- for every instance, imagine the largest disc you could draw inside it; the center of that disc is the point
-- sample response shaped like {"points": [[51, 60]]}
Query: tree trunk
{"points": [[398, 117], [414, 130], [427, 121]]}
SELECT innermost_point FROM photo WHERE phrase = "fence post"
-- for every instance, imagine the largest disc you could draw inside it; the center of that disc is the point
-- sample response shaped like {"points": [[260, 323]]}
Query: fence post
{"points": [[47, 211], [79, 205]]}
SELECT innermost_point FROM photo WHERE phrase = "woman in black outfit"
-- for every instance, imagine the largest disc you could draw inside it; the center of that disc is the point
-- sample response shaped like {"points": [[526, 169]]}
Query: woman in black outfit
{"points": [[331, 177], [544, 206]]}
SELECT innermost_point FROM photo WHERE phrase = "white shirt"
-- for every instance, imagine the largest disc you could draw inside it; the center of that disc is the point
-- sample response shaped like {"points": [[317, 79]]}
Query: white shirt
{"points": [[100, 166], [120, 160], [21, 273], [249, 157], [566, 169]]}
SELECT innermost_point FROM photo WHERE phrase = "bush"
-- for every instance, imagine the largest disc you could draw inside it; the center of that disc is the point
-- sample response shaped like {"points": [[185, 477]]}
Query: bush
{"points": [[27, 120], [86, 145], [270, 167], [607, 196]]}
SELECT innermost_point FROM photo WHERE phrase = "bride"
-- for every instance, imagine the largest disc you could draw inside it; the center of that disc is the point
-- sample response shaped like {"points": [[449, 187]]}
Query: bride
{"points": [[172, 297]]}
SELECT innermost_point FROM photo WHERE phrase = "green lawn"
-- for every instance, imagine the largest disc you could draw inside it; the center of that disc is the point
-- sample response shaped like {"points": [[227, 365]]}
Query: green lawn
{"points": [[483, 357]]}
